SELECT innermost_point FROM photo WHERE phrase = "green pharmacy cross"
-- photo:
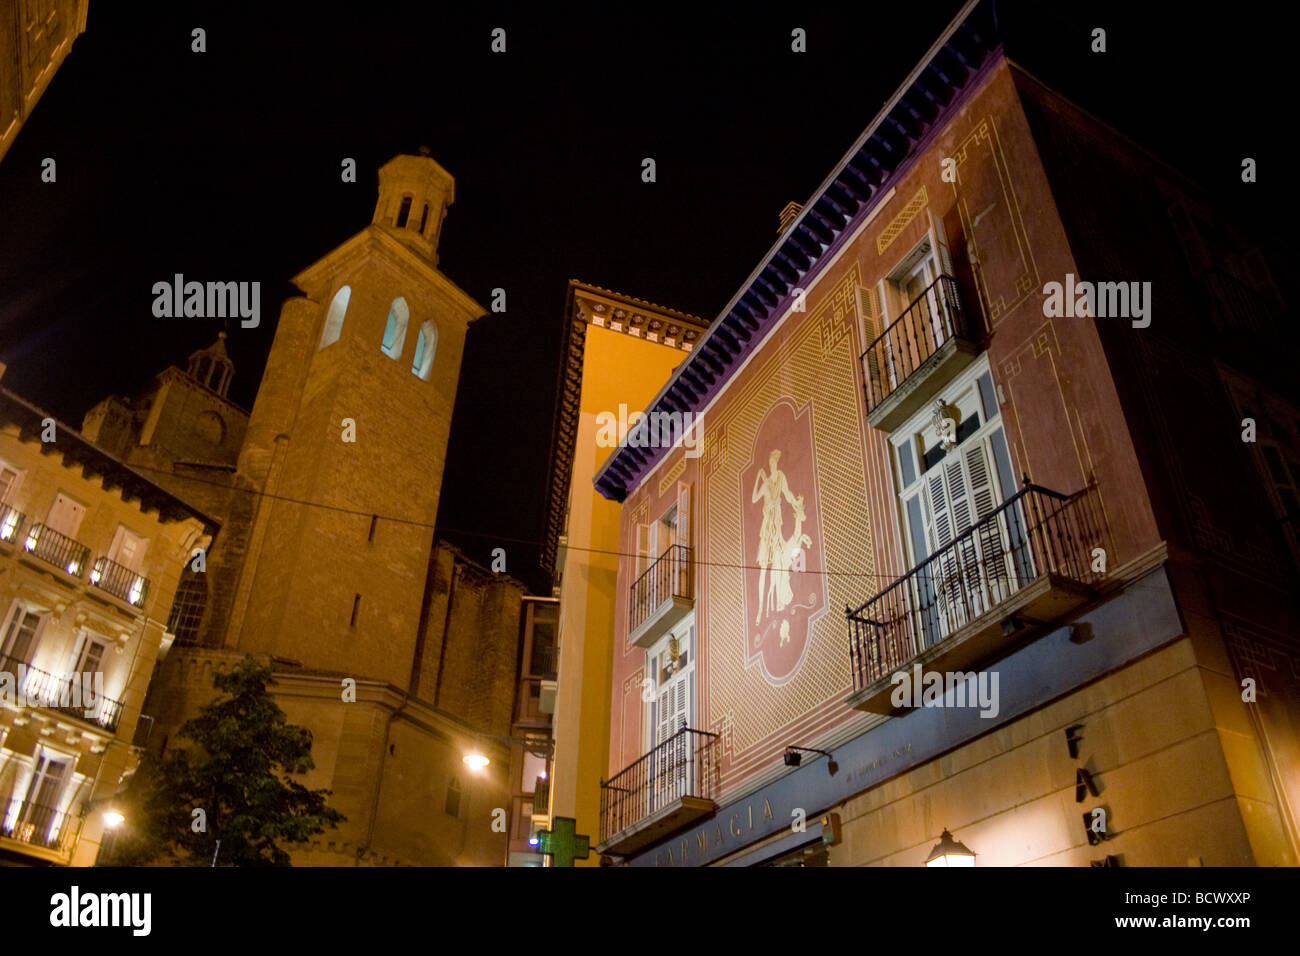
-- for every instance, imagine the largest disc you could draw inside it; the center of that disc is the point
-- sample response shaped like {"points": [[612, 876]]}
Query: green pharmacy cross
{"points": [[562, 842]]}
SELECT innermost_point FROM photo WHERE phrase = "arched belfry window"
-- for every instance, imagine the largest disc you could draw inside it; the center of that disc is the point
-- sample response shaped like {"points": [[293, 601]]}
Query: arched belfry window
{"points": [[404, 212], [334, 318], [395, 330], [426, 343], [424, 218]]}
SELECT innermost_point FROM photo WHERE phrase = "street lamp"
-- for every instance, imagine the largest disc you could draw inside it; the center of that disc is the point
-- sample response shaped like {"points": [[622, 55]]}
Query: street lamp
{"points": [[113, 819], [948, 852], [475, 760]]}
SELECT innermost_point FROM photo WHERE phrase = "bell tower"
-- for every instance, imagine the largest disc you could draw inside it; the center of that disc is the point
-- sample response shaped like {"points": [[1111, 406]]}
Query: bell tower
{"points": [[414, 193], [347, 441]]}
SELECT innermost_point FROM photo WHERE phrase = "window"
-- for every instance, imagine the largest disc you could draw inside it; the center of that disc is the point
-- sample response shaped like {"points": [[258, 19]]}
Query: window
{"points": [[451, 805], [672, 665], [426, 343], [952, 477], [187, 608], [65, 516], [334, 318], [90, 655], [404, 212], [395, 330], [128, 549], [424, 218], [38, 817], [9, 481], [19, 636]]}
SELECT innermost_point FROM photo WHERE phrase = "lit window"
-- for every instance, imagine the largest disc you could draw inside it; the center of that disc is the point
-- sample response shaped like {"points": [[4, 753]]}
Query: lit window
{"points": [[426, 343], [395, 330], [334, 319]]}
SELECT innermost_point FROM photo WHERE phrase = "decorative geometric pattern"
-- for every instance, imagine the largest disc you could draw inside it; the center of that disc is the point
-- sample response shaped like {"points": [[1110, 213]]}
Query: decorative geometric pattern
{"points": [[901, 221], [807, 364], [988, 207]]}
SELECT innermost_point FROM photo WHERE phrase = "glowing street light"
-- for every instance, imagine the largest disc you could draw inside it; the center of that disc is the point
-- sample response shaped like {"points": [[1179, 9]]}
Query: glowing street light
{"points": [[948, 852], [475, 760], [113, 819]]}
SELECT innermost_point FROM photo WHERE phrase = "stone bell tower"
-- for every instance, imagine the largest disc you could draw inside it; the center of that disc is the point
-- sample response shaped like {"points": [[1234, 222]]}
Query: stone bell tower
{"points": [[353, 416]]}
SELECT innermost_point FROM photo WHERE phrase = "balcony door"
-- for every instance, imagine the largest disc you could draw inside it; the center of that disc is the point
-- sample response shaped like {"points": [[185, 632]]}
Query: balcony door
{"points": [[20, 636], [128, 550], [672, 765], [954, 480], [65, 516], [37, 817]]}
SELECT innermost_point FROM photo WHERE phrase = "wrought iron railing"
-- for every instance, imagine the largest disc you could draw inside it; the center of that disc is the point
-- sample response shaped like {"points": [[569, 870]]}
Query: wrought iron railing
{"points": [[11, 524], [1036, 532], [120, 581], [682, 766], [40, 825], [75, 695], [57, 549], [931, 320], [670, 576], [541, 795]]}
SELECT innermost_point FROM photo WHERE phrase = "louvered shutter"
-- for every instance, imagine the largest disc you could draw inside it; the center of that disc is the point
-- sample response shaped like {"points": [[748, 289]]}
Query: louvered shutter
{"points": [[944, 569], [887, 347], [944, 320], [869, 322], [990, 539]]}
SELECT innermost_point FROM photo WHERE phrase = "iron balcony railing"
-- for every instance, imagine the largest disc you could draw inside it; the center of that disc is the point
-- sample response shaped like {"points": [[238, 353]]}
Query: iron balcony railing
{"points": [[682, 766], [38, 825], [75, 695], [670, 576], [11, 524], [120, 581], [57, 549], [934, 318], [541, 796], [1036, 532]]}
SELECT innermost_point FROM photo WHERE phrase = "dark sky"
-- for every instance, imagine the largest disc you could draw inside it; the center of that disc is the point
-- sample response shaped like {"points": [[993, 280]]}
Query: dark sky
{"points": [[225, 165]]}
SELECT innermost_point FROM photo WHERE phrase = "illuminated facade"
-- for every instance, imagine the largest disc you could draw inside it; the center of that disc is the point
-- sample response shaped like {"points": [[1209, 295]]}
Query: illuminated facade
{"points": [[955, 537], [327, 564], [617, 352], [90, 555]]}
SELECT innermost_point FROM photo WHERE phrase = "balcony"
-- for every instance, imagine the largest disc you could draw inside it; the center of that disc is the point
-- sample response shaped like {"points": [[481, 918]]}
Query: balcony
{"points": [[73, 696], [917, 355], [119, 581], [1028, 563], [62, 552], [11, 525], [661, 596], [47, 828], [669, 788]]}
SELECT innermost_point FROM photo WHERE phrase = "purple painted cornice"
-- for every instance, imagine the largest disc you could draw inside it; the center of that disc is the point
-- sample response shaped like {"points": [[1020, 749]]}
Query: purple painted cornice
{"points": [[883, 154]]}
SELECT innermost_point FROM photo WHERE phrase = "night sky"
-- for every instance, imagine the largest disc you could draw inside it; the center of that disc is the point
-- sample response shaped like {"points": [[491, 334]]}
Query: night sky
{"points": [[225, 166]]}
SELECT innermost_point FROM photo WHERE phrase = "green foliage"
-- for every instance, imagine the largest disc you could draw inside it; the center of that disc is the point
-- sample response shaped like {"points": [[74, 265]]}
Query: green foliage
{"points": [[237, 771]]}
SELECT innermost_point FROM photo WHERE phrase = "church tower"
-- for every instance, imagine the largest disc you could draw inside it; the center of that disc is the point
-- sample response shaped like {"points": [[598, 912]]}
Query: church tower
{"points": [[353, 416]]}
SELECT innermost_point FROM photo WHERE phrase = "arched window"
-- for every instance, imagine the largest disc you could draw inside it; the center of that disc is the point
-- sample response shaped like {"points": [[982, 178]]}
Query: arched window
{"points": [[424, 218], [404, 212], [334, 318], [426, 343], [395, 330]]}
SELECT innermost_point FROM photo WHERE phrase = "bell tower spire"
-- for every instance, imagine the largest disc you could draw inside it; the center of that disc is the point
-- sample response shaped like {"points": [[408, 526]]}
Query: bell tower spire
{"points": [[414, 193]]}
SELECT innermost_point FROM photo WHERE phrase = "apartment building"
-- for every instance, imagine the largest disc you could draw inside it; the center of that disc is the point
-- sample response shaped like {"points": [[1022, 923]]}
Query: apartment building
{"points": [[989, 555]]}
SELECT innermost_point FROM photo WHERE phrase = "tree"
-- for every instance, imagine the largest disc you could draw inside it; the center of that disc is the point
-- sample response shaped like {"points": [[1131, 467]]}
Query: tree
{"points": [[238, 771]]}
